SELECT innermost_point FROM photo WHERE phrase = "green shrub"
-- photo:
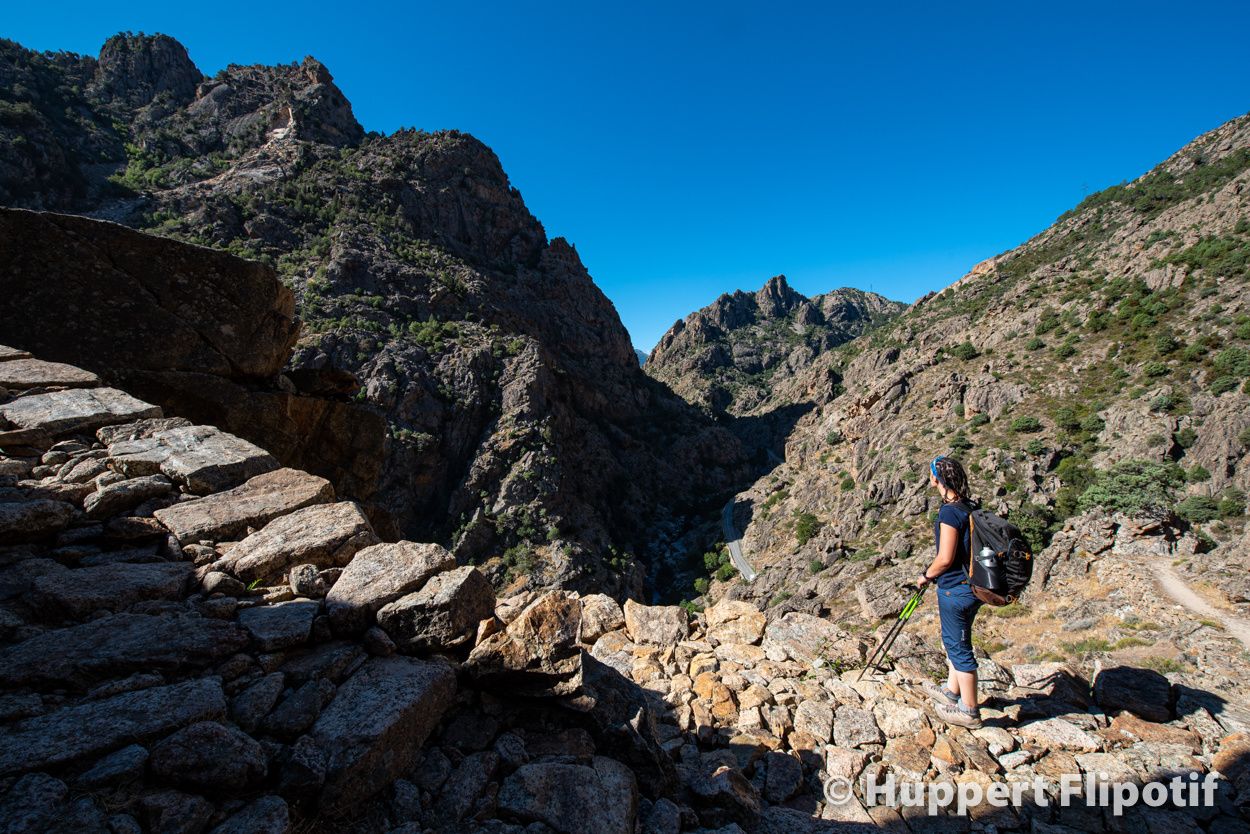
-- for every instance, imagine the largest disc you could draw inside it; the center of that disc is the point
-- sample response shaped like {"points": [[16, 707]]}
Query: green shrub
{"points": [[1186, 437], [848, 484], [1036, 523], [1232, 503], [1155, 369], [964, 351], [806, 526], [726, 572], [1025, 425], [1223, 384], [1066, 419], [701, 585], [1222, 256], [1164, 344], [1065, 350], [959, 442], [1233, 361], [1075, 476], [1048, 322], [978, 420], [1197, 475], [1198, 509], [1134, 487], [815, 566], [1167, 403], [1034, 344], [1092, 424], [1035, 447], [1193, 353], [834, 437]]}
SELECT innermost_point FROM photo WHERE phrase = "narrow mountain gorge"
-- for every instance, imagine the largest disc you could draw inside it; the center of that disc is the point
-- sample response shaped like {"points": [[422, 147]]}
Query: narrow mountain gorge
{"points": [[493, 398], [332, 490]]}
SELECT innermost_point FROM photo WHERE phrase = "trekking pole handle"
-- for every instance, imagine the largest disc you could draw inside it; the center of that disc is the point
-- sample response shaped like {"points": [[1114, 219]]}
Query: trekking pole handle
{"points": [[912, 604]]}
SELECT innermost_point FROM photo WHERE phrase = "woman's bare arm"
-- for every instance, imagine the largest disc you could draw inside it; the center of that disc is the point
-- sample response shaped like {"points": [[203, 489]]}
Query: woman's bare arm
{"points": [[948, 541]]}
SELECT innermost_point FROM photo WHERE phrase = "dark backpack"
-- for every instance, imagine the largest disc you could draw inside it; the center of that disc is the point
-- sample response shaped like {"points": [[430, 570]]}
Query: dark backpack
{"points": [[1001, 575]]}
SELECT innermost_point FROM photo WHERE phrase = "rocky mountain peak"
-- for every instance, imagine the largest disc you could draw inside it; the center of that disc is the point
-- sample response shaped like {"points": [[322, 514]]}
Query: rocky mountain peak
{"points": [[776, 298], [133, 70], [730, 355]]}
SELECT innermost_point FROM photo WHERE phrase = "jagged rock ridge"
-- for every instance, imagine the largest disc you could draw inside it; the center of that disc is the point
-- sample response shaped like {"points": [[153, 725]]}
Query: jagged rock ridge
{"points": [[735, 355]]}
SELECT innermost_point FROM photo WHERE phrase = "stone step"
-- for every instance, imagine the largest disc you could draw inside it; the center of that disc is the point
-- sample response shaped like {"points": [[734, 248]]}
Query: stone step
{"points": [[203, 459], [20, 374], [225, 516], [117, 645], [76, 410], [97, 727], [80, 593]]}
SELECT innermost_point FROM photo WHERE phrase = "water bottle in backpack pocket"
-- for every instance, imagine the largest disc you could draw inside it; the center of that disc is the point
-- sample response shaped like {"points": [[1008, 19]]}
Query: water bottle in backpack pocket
{"points": [[987, 571]]}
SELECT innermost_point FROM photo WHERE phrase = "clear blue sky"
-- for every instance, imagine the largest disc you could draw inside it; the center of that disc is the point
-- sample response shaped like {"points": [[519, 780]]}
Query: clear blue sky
{"points": [[691, 149]]}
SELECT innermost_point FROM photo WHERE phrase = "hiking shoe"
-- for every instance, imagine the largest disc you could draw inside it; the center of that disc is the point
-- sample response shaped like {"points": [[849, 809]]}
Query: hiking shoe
{"points": [[959, 715], [940, 694]]}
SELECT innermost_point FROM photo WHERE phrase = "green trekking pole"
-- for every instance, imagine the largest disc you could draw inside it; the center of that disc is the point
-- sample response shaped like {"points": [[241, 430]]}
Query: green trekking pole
{"points": [[903, 617]]}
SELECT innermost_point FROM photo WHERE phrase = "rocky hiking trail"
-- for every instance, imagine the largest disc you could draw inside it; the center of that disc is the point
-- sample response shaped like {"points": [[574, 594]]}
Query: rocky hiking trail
{"points": [[1179, 590], [194, 638]]}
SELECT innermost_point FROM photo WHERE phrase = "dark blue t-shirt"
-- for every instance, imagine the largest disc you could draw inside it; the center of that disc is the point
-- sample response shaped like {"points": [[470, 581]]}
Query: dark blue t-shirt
{"points": [[956, 515]]}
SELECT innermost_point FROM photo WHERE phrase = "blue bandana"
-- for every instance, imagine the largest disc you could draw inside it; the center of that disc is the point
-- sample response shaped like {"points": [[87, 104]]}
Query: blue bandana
{"points": [[933, 468]]}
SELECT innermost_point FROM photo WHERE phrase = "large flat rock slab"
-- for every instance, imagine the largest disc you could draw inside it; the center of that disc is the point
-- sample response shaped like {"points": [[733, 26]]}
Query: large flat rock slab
{"points": [[83, 591], [373, 729], [118, 645], [204, 459], [325, 535], [20, 374], [8, 354], [227, 515], [97, 727], [379, 575], [76, 410]]}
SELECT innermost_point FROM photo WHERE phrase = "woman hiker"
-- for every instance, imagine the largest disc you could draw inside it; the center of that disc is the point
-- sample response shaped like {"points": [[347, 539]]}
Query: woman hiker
{"points": [[957, 607]]}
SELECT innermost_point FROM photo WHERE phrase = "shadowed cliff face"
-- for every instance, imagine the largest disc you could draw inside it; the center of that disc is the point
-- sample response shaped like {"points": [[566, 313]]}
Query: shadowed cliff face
{"points": [[508, 416], [202, 333]]}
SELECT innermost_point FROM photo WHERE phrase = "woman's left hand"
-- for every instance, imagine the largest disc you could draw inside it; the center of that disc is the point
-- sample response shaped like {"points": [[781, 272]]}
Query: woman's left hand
{"points": [[922, 581]]}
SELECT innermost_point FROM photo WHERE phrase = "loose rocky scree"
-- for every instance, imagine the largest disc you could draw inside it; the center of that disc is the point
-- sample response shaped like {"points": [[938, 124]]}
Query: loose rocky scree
{"points": [[214, 643]]}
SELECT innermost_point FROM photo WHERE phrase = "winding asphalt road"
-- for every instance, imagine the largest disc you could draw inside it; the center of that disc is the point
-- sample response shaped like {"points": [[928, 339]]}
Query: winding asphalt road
{"points": [[734, 542]]}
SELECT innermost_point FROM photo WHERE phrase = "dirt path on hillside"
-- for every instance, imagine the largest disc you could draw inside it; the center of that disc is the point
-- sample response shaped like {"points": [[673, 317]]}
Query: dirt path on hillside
{"points": [[1178, 590]]}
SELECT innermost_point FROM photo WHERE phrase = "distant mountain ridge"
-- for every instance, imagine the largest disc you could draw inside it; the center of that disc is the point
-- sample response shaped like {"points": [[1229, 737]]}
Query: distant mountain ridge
{"points": [[732, 355]]}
